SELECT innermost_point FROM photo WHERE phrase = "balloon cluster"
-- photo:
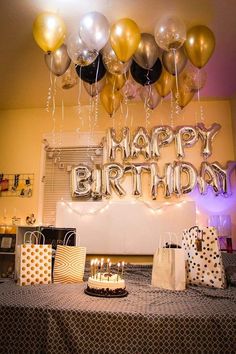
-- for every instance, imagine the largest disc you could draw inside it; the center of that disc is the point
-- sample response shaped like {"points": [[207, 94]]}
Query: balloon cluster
{"points": [[103, 57]]}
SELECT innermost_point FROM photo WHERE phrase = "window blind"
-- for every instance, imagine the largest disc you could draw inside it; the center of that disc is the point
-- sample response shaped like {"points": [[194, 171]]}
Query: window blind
{"points": [[58, 164]]}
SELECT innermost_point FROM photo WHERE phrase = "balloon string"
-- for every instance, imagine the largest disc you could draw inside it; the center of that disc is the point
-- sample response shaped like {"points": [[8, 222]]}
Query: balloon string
{"points": [[81, 120], [171, 109], [49, 97], [80, 90], [53, 95], [161, 115], [177, 108], [198, 98], [147, 101], [125, 116], [61, 130], [96, 77], [90, 127], [113, 95]]}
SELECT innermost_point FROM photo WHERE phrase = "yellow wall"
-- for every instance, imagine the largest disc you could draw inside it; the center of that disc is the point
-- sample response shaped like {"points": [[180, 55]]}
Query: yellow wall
{"points": [[22, 131]]}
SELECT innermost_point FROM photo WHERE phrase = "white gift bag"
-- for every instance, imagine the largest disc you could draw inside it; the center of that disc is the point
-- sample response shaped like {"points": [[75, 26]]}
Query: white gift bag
{"points": [[203, 257], [168, 270]]}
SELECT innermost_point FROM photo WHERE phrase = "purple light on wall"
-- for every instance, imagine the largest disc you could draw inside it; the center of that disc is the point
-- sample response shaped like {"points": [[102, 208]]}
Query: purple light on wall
{"points": [[212, 204]]}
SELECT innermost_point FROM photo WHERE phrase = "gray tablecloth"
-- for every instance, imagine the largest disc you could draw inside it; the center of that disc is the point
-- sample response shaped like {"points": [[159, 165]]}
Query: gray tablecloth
{"points": [[62, 319]]}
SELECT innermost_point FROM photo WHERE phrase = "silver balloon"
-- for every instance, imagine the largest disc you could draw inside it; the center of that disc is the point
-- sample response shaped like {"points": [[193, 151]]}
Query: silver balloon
{"points": [[112, 63], [149, 96], [174, 58], [97, 182], [81, 179], [113, 143], [58, 61], [131, 89], [94, 30], [79, 52], [207, 136], [224, 175], [113, 172], [161, 136], [190, 171], [94, 89], [147, 52], [141, 144], [208, 177], [69, 79], [170, 33], [185, 136], [137, 170], [166, 181]]}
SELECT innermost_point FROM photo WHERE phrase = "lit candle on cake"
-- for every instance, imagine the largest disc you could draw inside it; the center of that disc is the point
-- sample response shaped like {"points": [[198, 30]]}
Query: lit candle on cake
{"points": [[122, 269], [91, 267], [96, 267], [102, 262], [118, 265], [108, 261], [109, 267]]}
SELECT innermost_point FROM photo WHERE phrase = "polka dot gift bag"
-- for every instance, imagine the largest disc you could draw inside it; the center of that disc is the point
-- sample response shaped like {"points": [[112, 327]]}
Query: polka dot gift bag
{"points": [[203, 257], [33, 260]]}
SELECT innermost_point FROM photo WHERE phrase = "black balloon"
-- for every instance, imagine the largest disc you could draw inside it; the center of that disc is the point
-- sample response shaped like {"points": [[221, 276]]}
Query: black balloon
{"points": [[93, 72], [146, 76]]}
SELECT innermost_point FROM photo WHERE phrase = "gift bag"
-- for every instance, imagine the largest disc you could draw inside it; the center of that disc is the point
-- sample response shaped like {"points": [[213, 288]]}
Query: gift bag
{"points": [[203, 257], [168, 271], [33, 261], [69, 262]]}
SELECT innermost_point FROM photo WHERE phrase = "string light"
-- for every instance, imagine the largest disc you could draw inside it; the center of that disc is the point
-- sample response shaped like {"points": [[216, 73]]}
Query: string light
{"points": [[103, 208]]}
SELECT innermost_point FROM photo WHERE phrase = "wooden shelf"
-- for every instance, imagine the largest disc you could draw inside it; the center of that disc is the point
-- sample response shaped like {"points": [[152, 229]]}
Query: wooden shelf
{"points": [[7, 252]]}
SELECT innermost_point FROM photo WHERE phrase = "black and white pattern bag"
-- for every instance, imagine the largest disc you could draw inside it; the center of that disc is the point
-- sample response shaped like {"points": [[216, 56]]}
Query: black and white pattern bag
{"points": [[203, 257]]}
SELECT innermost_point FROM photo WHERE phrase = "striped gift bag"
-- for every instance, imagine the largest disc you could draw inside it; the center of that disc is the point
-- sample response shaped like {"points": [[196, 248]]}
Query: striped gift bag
{"points": [[69, 263]]}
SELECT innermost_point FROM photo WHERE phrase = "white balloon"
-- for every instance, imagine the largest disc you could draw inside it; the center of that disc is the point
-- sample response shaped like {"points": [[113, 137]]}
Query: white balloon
{"points": [[94, 30], [170, 33], [79, 52]]}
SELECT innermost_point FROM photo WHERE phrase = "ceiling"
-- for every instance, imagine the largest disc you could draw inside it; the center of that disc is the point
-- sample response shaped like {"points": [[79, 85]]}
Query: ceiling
{"points": [[25, 77]]}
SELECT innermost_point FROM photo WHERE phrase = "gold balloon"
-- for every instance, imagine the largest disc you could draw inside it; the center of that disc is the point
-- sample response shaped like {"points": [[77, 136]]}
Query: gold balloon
{"points": [[165, 83], [49, 31], [125, 37], [184, 95], [110, 99], [199, 45], [117, 81]]}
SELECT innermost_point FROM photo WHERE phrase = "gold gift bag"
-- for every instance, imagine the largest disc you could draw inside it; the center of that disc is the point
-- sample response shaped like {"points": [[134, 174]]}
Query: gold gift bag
{"points": [[34, 262], [69, 262]]}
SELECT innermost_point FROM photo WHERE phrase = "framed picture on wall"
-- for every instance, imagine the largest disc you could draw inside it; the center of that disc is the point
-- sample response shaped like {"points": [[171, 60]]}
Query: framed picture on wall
{"points": [[7, 243]]}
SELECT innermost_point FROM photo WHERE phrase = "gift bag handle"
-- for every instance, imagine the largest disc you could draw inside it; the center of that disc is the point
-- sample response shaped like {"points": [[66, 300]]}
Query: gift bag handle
{"points": [[68, 236], [31, 233], [198, 230], [39, 234], [175, 238]]}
